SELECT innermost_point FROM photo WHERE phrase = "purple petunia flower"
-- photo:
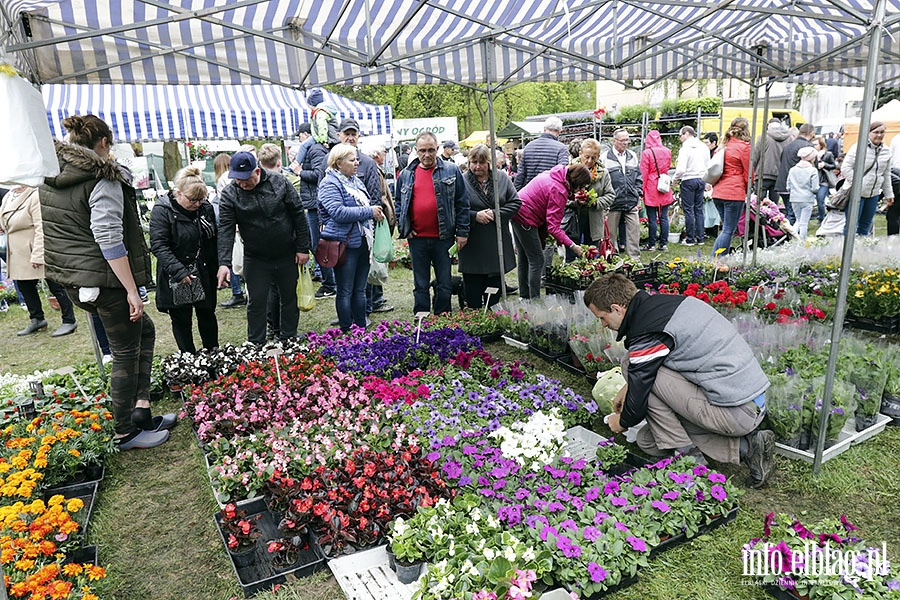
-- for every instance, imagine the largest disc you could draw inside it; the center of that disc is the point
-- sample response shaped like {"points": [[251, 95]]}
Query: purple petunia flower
{"points": [[639, 491], [592, 494], [717, 478], [621, 526], [453, 469], [464, 481], [569, 524], [522, 493], [591, 533], [673, 495], [718, 492], [611, 488], [578, 503], [546, 531], [661, 506], [617, 501], [574, 477], [679, 478], [700, 470], [433, 456], [596, 572], [637, 543]]}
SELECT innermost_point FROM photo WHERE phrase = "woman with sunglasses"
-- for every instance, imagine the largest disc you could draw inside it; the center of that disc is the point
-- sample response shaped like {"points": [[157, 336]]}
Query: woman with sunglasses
{"points": [[183, 239]]}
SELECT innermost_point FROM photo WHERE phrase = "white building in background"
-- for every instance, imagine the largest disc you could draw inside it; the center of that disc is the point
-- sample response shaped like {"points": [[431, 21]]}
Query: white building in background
{"points": [[825, 105]]}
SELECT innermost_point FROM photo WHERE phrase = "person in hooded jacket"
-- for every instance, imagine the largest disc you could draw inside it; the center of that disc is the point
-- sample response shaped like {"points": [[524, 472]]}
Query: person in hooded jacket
{"points": [[182, 235], [656, 160], [94, 245], [776, 138]]}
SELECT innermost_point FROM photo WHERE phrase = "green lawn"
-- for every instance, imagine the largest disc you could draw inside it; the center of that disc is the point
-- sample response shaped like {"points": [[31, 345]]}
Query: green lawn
{"points": [[154, 525]]}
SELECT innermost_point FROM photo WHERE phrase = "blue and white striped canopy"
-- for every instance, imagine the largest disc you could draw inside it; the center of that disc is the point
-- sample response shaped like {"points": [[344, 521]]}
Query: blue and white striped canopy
{"points": [[169, 112], [315, 42]]}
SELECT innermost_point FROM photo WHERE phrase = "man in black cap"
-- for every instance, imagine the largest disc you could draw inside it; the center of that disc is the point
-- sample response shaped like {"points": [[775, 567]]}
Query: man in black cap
{"points": [[273, 227], [450, 148], [348, 132]]}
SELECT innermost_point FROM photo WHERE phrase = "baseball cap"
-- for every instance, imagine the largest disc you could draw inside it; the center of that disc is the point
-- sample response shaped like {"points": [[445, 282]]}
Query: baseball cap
{"points": [[242, 165], [451, 144], [349, 124]]}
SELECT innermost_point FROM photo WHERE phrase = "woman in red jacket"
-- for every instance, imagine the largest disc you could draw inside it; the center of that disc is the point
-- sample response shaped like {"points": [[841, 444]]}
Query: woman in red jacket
{"points": [[730, 192], [656, 160]]}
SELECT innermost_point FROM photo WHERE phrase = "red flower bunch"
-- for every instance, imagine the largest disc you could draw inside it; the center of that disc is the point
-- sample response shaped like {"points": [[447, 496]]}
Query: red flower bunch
{"points": [[717, 292], [352, 503], [240, 530]]}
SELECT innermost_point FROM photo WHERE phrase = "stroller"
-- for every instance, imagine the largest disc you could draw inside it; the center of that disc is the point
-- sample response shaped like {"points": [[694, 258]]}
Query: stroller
{"points": [[770, 234]]}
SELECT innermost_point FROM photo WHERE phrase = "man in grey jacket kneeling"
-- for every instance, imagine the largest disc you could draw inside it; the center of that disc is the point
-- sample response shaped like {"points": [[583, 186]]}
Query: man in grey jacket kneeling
{"points": [[690, 374]]}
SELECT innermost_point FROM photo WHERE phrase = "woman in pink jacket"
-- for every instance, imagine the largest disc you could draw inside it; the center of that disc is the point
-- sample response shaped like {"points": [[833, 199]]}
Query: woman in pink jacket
{"points": [[656, 160], [730, 192], [543, 204]]}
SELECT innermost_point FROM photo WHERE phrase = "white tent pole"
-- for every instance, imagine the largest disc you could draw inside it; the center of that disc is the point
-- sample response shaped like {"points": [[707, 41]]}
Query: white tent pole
{"points": [[488, 50], [757, 226], [750, 186], [840, 306]]}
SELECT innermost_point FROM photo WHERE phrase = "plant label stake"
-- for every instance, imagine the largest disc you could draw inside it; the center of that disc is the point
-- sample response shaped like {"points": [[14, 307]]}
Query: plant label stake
{"points": [[491, 291], [274, 352], [419, 316], [778, 281]]}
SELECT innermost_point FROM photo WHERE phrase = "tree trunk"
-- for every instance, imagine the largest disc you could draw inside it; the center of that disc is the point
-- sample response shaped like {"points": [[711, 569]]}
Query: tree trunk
{"points": [[172, 160]]}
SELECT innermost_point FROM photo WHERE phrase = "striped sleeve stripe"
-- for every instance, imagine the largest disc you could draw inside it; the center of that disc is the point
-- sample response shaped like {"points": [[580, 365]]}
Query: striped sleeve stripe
{"points": [[637, 357]]}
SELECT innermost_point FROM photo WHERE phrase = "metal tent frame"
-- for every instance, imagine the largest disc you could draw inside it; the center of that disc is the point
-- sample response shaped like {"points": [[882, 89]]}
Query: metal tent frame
{"points": [[486, 47]]}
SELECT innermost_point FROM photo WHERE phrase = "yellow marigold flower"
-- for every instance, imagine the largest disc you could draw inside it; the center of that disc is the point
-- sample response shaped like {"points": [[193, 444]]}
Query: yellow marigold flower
{"points": [[74, 452], [56, 500], [95, 572], [24, 565], [74, 505], [88, 596], [72, 569], [5, 467], [95, 427], [860, 294]]}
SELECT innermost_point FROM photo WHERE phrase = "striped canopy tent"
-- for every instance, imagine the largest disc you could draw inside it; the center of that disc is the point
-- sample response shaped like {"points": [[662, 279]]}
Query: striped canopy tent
{"points": [[486, 46], [310, 42], [167, 112]]}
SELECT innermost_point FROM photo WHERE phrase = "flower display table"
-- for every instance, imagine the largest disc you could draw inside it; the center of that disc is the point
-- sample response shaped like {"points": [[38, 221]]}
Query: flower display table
{"points": [[847, 438]]}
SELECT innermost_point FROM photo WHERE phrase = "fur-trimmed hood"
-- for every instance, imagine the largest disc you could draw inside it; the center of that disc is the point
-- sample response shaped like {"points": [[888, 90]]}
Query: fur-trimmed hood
{"points": [[78, 164]]}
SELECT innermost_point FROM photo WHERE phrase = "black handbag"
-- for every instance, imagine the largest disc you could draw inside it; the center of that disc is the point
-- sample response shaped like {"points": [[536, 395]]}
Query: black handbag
{"points": [[188, 293]]}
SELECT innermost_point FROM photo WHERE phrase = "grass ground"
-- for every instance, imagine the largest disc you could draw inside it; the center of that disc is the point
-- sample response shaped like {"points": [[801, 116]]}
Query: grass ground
{"points": [[154, 522]]}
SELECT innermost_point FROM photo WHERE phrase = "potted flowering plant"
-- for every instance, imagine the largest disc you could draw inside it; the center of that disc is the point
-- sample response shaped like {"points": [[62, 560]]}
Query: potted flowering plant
{"points": [[241, 533], [406, 546], [286, 552]]}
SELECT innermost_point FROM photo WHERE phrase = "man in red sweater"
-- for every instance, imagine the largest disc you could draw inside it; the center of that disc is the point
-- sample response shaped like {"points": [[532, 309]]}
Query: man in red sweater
{"points": [[433, 213]]}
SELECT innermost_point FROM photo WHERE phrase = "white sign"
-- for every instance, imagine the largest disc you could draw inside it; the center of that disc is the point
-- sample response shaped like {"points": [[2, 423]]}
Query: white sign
{"points": [[443, 127]]}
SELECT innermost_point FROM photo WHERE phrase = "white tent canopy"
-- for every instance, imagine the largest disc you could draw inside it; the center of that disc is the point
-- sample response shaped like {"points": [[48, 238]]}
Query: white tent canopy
{"points": [[311, 42], [167, 112]]}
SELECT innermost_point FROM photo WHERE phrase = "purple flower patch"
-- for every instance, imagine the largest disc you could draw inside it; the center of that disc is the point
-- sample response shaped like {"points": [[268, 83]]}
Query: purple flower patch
{"points": [[718, 492], [661, 506], [596, 572]]}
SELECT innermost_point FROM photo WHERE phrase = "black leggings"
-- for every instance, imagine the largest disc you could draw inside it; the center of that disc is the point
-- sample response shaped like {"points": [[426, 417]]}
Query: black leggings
{"points": [[183, 331]]}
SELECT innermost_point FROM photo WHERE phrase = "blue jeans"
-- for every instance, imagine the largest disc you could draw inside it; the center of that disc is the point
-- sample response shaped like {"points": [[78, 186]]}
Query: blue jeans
{"points": [[425, 254], [820, 200], [788, 208], [662, 214], [374, 297], [730, 213], [692, 204], [236, 289], [312, 217], [351, 279], [867, 208]]}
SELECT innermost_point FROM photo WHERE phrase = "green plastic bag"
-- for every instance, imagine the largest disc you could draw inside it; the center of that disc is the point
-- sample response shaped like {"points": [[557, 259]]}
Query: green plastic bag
{"points": [[383, 246], [306, 291]]}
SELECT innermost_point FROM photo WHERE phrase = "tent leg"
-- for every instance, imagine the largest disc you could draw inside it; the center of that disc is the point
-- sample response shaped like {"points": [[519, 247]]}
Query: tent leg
{"points": [[488, 47], [840, 307]]}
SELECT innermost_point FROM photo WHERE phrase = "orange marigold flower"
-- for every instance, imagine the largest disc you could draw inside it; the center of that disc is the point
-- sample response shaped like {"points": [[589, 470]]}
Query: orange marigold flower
{"points": [[95, 572], [72, 569]]}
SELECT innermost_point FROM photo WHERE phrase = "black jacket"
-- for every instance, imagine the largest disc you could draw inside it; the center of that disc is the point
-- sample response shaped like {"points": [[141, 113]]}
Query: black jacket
{"points": [[270, 216], [177, 242], [313, 170]]}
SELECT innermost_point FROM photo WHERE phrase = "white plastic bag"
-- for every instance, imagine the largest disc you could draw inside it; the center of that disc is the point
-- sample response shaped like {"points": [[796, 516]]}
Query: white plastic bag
{"points": [[23, 118], [237, 255], [608, 385], [378, 273]]}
